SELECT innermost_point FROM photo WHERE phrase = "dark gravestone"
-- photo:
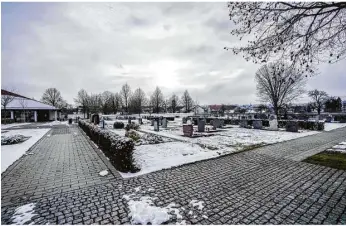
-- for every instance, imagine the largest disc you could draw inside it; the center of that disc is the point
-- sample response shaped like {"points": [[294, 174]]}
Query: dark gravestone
{"points": [[216, 123], [201, 125], [257, 124], [184, 120], [188, 130], [292, 126], [140, 121], [156, 125], [222, 123], [95, 119], [129, 121], [243, 123], [152, 122], [328, 119]]}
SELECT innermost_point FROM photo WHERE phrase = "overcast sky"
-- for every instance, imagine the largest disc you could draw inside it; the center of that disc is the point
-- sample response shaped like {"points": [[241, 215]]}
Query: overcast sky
{"points": [[99, 47]]}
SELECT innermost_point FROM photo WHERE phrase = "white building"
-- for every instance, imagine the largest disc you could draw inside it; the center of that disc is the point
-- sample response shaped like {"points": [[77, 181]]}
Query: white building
{"points": [[22, 109]]}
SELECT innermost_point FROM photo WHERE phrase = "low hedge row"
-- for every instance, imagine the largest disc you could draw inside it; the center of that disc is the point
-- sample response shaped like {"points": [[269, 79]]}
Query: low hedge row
{"points": [[340, 118], [118, 149]]}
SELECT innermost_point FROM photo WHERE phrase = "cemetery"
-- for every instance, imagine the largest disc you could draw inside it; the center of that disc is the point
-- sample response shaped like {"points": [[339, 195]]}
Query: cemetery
{"points": [[161, 142]]}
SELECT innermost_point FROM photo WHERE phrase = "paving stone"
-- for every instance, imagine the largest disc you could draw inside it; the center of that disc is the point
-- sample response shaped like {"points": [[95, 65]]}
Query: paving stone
{"points": [[263, 186]]}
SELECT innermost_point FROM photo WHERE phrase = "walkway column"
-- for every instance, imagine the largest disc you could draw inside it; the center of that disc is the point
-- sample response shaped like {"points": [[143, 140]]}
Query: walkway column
{"points": [[35, 116], [12, 115], [56, 115]]}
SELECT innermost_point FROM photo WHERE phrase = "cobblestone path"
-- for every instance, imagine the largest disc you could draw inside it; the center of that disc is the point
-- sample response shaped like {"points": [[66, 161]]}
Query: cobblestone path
{"points": [[268, 185]]}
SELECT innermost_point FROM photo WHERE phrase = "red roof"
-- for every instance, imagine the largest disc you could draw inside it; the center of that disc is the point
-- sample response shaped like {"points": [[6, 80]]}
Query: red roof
{"points": [[5, 92], [215, 107]]}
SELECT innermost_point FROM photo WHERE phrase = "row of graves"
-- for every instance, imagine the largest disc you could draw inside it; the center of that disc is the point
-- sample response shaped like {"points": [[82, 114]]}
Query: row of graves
{"points": [[205, 126]]}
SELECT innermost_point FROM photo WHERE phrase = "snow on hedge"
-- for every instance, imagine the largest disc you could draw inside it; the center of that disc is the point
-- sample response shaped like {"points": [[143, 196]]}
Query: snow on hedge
{"points": [[10, 153]]}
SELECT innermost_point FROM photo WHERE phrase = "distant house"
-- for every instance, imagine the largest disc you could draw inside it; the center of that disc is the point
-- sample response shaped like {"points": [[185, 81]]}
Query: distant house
{"points": [[200, 110], [22, 108]]}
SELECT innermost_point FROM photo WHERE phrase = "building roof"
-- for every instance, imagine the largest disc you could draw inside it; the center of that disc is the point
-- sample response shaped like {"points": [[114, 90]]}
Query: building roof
{"points": [[30, 104], [5, 92]]}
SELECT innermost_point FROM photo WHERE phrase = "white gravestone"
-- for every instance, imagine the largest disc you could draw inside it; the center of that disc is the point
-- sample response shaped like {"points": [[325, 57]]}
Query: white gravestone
{"points": [[273, 122]]}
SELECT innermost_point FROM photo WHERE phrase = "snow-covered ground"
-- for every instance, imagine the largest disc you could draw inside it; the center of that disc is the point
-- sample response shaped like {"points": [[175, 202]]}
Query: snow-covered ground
{"points": [[143, 210], [341, 147], [10, 153], [6, 126], [184, 150], [23, 214], [53, 123], [328, 126]]}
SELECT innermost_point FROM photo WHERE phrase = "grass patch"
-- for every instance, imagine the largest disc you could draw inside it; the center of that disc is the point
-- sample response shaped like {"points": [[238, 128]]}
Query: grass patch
{"points": [[334, 160]]}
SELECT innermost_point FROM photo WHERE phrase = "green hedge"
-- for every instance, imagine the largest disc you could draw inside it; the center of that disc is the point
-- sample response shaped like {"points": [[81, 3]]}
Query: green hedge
{"points": [[340, 118], [118, 149]]}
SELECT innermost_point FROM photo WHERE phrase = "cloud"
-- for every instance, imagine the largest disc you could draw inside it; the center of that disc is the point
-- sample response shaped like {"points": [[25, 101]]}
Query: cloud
{"points": [[100, 46]]}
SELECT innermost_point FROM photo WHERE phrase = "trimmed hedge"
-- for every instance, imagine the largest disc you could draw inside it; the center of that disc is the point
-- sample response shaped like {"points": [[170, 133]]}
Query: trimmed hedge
{"points": [[118, 125], [340, 118], [131, 126], [118, 149]]}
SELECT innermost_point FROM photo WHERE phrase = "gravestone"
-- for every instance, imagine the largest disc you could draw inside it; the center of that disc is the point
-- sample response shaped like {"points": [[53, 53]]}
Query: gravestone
{"points": [[292, 126], [222, 122], [211, 122], [95, 118], [201, 126], [216, 123], [152, 122], [257, 124], [329, 118], [188, 130], [273, 122], [140, 121], [243, 123], [156, 125], [129, 120], [164, 123], [184, 120]]}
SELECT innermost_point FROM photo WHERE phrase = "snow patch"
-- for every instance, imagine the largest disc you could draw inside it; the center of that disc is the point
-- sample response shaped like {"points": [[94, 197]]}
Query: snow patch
{"points": [[103, 173], [143, 210], [331, 126], [10, 153], [137, 189], [23, 214], [197, 203]]}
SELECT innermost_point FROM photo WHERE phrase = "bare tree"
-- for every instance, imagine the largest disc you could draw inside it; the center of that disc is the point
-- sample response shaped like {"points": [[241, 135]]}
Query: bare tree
{"points": [[274, 85], [165, 104], [52, 96], [157, 100], [138, 100], [126, 94], [187, 101], [116, 102], [82, 100], [24, 103], [106, 102], [303, 33], [5, 100], [174, 101], [94, 103], [319, 98]]}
